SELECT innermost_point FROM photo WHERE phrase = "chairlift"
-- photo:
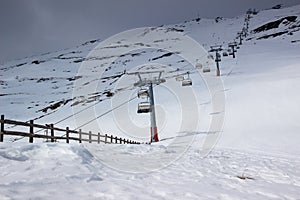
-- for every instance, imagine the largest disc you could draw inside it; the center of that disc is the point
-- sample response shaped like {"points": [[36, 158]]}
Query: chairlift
{"points": [[198, 66], [206, 69], [187, 81], [210, 57], [144, 107], [225, 53], [179, 78], [143, 93]]}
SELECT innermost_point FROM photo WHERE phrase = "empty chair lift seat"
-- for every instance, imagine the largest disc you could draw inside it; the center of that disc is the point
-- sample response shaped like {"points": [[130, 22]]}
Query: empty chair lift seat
{"points": [[179, 78], [225, 53], [199, 66], [143, 93], [206, 69], [144, 107], [187, 82]]}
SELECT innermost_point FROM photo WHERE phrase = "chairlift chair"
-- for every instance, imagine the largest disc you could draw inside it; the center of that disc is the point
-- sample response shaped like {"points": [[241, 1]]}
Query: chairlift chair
{"points": [[206, 69], [199, 66], [144, 107], [187, 81], [143, 93], [179, 78], [230, 52], [210, 57], [225, 53]]}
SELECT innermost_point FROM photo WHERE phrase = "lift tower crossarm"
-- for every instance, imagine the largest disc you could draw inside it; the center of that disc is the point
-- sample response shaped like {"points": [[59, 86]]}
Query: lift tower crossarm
{"points": [[217, 49]]}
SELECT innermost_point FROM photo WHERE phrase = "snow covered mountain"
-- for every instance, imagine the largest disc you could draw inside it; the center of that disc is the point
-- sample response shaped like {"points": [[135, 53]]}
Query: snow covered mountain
{"points": [[258, 147]]}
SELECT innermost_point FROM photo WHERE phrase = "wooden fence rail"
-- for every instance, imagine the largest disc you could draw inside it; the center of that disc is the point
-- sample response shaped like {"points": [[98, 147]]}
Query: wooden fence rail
{"points": [[65, 134]]}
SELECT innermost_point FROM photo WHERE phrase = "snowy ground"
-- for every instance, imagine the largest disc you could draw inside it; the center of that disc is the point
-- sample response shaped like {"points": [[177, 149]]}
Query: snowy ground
{"points": [[60, 171]]}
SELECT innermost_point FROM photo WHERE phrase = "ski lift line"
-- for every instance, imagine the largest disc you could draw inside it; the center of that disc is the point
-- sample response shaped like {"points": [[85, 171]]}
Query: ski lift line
{"points": [[188, 64], [191, 71], [80, 111], [93, 105], [55, 122], [101, 101], [105, 113], [149, 72], [67, 117], [16, 139]]}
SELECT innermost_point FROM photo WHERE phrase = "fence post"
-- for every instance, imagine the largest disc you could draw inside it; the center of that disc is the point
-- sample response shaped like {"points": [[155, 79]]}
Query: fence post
{"points": [[79, 135], [98, 138], [31, 131], [2, 129], [67, 135], [105, 141], [90, 136], [52, 132]]}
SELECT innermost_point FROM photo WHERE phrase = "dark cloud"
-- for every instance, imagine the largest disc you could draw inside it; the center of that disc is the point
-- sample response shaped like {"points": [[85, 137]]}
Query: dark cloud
{"points": [[37, 26]]}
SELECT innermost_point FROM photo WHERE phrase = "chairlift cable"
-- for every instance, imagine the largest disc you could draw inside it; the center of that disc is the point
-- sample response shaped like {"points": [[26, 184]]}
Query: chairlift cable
{"points": [[105, 113]]}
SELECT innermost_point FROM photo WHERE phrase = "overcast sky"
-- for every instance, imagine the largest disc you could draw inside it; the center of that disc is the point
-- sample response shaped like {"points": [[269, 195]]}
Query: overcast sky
{"points": [[30, 27]]}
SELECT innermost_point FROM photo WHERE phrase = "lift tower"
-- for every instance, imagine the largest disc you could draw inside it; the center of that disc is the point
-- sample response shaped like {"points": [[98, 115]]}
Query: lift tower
{"points": [[217, 49], [233, 46], [149, 82], [240, 37]]}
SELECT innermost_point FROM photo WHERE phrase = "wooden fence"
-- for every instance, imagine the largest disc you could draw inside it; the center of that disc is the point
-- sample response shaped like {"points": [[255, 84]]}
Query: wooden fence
{"points": [[64, 134]]}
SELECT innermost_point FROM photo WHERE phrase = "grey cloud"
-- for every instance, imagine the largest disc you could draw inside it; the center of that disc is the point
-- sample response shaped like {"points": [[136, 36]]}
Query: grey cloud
{"points": [[37, 26]]}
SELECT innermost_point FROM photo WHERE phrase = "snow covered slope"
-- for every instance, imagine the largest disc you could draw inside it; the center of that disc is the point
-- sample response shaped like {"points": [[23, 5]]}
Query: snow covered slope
{"points": [[261, 115], [60, 171], [261, 84]]}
